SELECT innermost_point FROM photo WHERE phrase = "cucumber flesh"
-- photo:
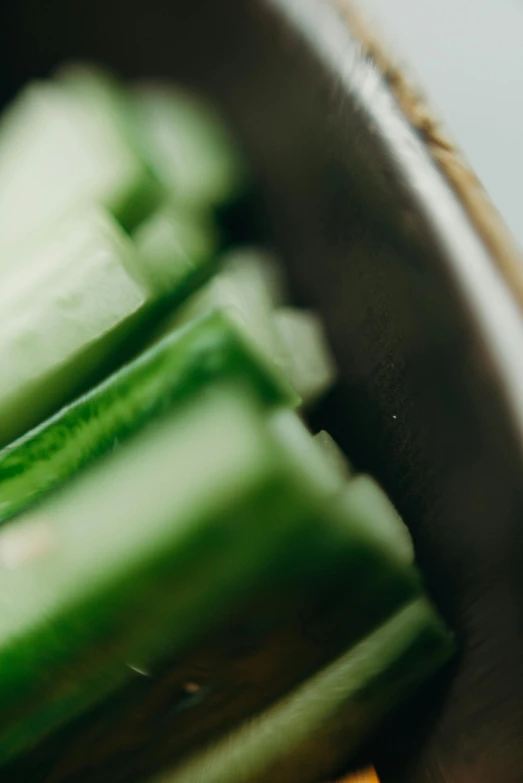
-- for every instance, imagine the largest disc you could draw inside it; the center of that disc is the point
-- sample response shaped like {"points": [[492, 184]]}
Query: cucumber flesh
{"points": [[293, 339], [309, 735], [309, 363], [189, 148], [362, 506], [63, 309], [258, 271], [333, 581], [290, 429], [166, 375], [245, 283], [152, 549], [175, 246], [338, 462], [101, 92], [58, 150], [365, 501], [147, 550], [328, 591]]}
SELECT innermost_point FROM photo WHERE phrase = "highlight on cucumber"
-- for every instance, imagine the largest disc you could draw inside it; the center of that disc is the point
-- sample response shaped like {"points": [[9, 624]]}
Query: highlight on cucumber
{"points": [[162, 496]]}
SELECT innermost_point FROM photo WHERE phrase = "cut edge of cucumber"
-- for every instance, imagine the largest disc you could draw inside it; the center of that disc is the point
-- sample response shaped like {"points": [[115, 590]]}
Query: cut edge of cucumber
{"points": [[316, 728], [36, 463]]}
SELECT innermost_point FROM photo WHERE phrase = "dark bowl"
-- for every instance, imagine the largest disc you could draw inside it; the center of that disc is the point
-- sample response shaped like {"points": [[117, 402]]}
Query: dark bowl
{"points": [[385, 232]]}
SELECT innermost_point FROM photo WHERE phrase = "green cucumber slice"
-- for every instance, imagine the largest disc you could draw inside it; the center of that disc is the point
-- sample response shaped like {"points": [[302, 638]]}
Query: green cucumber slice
{"points": [[63, 309], [176, 246], [100, 91], [338, 462], [61, 148], [310, 365], [189, 148], [291, 430], [311, 733], [365, 501], [293, 339], [336, 582], [148, 550], [242, 285], [172, 371]]}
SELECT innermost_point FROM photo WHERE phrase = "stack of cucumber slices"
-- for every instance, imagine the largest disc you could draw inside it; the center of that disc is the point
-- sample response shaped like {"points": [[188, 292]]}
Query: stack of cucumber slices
{"points": [[162, 500]]}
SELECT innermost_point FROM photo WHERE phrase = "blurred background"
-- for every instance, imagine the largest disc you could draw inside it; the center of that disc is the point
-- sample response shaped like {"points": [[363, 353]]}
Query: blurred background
{"points": [[469, 58]]}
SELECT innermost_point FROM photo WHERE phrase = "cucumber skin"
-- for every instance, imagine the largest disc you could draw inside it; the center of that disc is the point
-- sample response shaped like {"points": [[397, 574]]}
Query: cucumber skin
{"points": [[64, 320], [166, 375], [309, 612], [115, 587], [154, 548], [136, 206], [310, 734]]}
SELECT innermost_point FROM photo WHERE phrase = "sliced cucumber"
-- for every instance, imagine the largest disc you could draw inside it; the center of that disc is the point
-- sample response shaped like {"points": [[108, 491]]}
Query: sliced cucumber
{"points": [[339, 575], [292, 339], [311, 733], [189, 148], [288, 427], [176, 246], [225, 512], [310, 365], [102, 92], [244, 283], [334, 455], [60, 148], [365, 501], [257, 274], [172, 371], [148, 550], [63, 308]]}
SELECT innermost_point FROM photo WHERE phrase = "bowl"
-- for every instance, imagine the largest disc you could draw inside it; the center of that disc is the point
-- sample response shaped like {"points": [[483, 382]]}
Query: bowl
{"points": [[387, 233]]}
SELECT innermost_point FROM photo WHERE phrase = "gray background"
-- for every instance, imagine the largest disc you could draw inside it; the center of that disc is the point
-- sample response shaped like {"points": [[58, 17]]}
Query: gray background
{"points": [[468, 55]]}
